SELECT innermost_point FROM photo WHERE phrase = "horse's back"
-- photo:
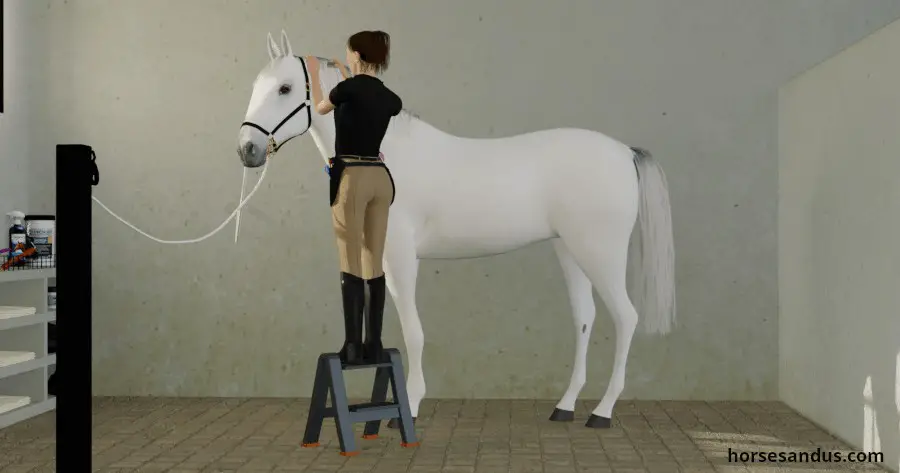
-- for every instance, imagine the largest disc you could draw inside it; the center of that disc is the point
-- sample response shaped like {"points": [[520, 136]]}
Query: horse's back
{"points": [[549, 147], [553, 167], [478, 197]]}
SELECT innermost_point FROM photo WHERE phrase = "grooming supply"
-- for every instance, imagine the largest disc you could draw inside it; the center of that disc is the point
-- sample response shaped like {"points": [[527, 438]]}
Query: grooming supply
{"points": [[40, 230], [17, 236]]}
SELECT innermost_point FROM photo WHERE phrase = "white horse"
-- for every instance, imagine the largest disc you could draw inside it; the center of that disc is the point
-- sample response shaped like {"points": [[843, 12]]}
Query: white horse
{"points": [[462, 198]]}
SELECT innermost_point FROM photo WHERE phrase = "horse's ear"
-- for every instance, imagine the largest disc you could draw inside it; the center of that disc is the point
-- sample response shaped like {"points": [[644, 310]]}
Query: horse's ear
{"points": [[272, 46], [286, 44]]}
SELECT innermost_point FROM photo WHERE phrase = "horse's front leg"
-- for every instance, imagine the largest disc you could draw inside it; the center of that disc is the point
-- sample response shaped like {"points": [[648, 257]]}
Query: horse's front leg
{"points": [[401, 267]]}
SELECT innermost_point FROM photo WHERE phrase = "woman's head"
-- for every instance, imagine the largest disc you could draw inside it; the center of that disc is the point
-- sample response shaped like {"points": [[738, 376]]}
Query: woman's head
{"points": [[369, 52]]}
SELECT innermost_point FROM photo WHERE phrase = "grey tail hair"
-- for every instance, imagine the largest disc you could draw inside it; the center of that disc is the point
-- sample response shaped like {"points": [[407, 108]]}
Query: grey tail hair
{"points": [[640, 154], [655, 246]]}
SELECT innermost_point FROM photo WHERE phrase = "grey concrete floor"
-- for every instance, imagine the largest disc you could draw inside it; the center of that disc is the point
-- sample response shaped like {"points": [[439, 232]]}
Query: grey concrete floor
{"points": [[457, 436]]}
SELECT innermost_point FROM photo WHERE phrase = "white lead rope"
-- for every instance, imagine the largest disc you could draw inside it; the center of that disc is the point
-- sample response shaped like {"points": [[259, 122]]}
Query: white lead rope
{"points": [[235, 214], [237, 221]]}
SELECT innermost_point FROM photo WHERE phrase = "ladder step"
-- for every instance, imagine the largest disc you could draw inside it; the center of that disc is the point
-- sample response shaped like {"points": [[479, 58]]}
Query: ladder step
{"points": [[374, 411], [372, 406], [368, 411], [345, 367]]}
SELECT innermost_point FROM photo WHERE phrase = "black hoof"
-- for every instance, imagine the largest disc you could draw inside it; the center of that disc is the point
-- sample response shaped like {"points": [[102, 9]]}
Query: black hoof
{"points": [[560, 415], [597, 422], [395, 423]]}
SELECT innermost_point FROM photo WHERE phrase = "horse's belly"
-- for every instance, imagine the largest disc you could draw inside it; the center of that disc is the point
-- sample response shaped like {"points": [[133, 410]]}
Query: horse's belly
{"points": [[463, 232]]}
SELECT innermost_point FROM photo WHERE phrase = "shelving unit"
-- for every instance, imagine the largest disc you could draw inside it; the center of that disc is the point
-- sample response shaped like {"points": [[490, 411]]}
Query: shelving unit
{"points": [[25, 363]]}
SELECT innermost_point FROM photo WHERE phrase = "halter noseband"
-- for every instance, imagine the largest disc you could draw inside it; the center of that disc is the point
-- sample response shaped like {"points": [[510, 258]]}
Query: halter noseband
{"points": [[273, 145]]}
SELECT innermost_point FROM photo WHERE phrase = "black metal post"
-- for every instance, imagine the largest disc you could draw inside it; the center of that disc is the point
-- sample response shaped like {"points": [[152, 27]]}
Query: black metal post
{"points": [[76, 174]]}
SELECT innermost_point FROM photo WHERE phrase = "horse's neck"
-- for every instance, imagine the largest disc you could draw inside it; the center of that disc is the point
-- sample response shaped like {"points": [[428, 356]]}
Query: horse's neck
{"points": [[322, 131], [322, 126]]}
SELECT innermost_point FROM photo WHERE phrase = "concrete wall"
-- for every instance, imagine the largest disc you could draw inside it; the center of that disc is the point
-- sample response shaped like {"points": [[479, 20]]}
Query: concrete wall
{"points": [[839, 262], [38, 89], [14, 121], [160, 88]]}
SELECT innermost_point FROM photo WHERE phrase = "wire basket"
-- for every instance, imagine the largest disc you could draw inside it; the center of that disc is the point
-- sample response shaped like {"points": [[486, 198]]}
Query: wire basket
{"points": [[27, 263]]}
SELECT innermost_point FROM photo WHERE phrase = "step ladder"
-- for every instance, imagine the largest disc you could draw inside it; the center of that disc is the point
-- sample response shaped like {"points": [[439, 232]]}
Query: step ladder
{"points": [[330, 379]]}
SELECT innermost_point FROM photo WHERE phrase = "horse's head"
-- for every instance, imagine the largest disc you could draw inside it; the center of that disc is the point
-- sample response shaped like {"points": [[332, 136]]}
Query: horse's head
{"points": [[280, 106]]}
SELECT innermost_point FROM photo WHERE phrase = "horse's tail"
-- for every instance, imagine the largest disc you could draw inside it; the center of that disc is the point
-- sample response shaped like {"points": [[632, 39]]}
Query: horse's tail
{"points": [[655, 247]]}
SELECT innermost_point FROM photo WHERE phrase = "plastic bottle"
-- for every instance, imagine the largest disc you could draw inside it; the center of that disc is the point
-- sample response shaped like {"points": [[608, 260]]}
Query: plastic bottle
{"points": [[17, 236]]}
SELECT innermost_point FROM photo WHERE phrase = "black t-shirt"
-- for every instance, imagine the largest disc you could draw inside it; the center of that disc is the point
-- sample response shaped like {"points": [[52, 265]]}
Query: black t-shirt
{"points": [[363, 108]]}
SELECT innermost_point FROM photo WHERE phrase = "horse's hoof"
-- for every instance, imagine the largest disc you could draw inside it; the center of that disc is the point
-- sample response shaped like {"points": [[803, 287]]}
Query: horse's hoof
{"points": [[395, 423], [597, 422], [560, 415]]}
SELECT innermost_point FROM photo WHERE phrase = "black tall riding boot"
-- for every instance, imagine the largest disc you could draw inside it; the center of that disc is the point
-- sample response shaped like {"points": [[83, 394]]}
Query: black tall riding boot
{"points": [[375, 319], [353, 292]]}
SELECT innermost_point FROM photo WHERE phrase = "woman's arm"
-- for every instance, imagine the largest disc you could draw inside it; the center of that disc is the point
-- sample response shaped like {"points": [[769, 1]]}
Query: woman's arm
{"points": [[323, 105], [338, 94], [398, 105], [344, 71]]}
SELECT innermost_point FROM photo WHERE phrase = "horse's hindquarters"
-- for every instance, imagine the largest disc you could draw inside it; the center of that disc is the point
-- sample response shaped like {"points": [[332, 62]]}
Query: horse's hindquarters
{"points": [[594, 194]]}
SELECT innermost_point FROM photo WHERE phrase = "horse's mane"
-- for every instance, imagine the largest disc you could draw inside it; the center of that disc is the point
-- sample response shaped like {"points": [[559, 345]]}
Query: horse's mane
{"points": [[330, 75]]}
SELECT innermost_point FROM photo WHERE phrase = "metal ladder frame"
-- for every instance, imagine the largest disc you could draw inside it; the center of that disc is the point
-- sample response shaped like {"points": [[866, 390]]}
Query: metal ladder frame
{"points": [[330, 380]]}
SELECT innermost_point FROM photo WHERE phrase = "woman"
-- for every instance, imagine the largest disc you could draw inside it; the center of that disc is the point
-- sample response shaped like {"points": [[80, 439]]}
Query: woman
{"points": [[361, 187]]}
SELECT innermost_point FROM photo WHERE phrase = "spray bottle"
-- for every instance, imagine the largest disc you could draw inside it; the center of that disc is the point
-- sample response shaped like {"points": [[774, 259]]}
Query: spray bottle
{"points": [[17, 235]]}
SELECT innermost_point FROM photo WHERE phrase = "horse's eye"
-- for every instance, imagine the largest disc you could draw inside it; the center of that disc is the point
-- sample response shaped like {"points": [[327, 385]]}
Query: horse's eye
{"points": [[284, 90]]}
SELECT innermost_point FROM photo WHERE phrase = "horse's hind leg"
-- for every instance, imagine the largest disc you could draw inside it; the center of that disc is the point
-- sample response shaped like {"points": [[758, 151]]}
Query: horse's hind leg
{"points": [[581, 297], [604, 261], [401, 267], [625, 320]]}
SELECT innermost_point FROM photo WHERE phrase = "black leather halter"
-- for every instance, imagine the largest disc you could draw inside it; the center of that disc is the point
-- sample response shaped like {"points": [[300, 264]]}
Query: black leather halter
{"points": [[305, 105]]}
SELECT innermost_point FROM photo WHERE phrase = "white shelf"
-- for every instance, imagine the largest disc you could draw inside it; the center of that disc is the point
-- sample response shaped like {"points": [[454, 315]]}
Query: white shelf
{"points": [[26, 274], [9, 312], [26, 366], [18, 415], [24, 361], [9, 403], [26, 320], [9, 358]]}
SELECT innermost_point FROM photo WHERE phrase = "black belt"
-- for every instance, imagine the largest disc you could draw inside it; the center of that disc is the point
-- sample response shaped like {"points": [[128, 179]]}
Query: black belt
{"points": [[359, 161], [364, 163], [363, 158]]}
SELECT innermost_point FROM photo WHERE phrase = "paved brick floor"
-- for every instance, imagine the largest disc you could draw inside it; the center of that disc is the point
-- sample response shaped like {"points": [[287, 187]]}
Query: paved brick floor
{"points": [[473, 436]]}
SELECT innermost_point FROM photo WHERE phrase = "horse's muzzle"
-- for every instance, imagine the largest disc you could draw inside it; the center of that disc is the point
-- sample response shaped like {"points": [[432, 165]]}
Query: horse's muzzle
{"points": [[252, 155]]}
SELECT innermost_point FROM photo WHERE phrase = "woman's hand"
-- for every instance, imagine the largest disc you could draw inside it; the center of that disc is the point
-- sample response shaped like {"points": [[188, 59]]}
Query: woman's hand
{"points": [[322, 104]]}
